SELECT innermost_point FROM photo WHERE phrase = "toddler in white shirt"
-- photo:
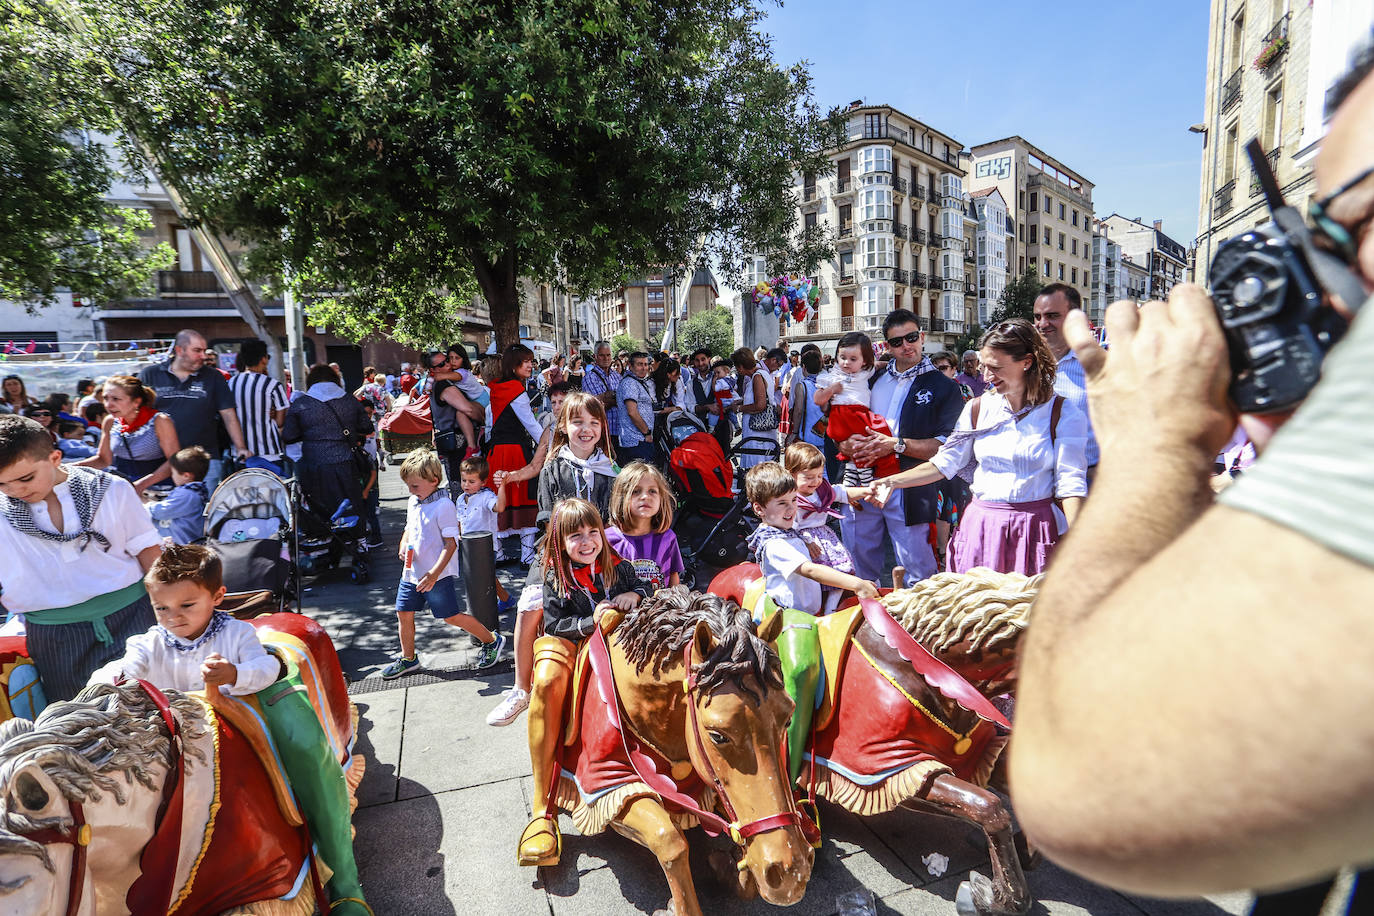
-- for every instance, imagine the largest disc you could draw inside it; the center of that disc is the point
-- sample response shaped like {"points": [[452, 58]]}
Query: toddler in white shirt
{"points": [[193, 645], [845, 390]]}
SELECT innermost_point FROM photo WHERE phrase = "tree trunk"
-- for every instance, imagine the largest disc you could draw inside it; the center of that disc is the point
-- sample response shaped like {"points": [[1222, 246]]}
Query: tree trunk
{"points": [[501, 289]]}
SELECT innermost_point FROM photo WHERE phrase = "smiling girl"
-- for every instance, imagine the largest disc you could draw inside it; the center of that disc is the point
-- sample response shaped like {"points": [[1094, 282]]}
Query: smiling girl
{"points": [[642, 518], [583, 579]]}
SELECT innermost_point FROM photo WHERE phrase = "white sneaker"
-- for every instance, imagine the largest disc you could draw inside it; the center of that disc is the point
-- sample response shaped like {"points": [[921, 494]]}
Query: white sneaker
{"points": [[511, 706]]}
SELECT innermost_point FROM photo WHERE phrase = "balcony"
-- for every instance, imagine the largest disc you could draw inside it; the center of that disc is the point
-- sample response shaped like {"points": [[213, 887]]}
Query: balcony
{"points": [[936, 239], [899, 186], [918, 280], [844, 186], [970, 288], [923, 323], [846, 281], [1230, 90], [947, 325], [828, 327], [1221, 201], [918, 192], [547, 317], [811, 196], [188, 282], [918, 236], [952, 157], [901, 231], [902, 277], [969, 256], [1273, 157], [1273, 45]]}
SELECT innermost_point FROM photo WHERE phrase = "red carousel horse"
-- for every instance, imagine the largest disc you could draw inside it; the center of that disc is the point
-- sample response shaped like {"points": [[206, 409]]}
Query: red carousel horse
{"points": [[119, 801], [906, 718]]}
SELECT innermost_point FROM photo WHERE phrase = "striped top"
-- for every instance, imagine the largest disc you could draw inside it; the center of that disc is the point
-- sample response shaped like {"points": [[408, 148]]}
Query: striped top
{"points": [[1071, 383], [256, 396], [1314, 476]]}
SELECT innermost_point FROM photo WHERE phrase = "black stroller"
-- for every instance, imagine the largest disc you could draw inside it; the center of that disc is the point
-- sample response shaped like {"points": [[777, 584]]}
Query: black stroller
{"points": [[324, 536], [712, 522], [249, 522]]}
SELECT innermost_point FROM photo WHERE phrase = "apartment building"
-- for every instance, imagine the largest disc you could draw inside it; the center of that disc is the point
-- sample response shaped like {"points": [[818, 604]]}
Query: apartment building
{"points": [[1137, 279], [1053, 209], [1109, 281], [991, 243], [896, 206], [1165, 259], [641, 308], [1269, 65]]}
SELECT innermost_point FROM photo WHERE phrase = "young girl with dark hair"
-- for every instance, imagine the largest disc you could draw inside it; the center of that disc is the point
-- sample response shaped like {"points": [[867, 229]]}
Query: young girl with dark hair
{"points": [[845, 390]]}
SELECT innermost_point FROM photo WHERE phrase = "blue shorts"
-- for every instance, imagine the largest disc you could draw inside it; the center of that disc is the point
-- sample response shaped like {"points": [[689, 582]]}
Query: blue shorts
{"points": [[443, 599]]}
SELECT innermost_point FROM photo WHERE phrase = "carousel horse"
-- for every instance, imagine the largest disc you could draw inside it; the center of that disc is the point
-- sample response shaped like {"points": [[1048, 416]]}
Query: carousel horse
{"points": [[678, 715], [131, 800], [905, 715]]}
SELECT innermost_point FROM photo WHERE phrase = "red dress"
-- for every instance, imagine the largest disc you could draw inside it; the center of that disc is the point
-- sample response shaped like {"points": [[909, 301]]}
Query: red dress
{"points": [[510, 448], [845, 420]]}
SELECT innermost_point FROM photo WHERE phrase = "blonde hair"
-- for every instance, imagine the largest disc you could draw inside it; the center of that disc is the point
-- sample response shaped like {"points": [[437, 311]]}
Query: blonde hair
{"points": [[630, 477], [424, 464], [802, 456], [569, 517], [579, 401]]}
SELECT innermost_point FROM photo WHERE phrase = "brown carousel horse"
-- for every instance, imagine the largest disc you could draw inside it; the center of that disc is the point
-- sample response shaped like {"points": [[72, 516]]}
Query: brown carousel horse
{"points": [[675, 716], [906, 718]]}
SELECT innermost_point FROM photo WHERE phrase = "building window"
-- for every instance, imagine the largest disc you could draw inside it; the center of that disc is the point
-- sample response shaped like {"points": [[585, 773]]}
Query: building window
{"points": [[873, 126], [1047, 267], [1073, 274], [1049, 204], [1075, 245], [876, 204], [1061, 212], [875, 159], [1021, 199], [1061, 241], [1061, 271], [1229, 152], [1272, 138], [1021, 231], [847, 264], [1075, 217], [1035, 201], [1049, 237], [809, 220], [878, 252]]}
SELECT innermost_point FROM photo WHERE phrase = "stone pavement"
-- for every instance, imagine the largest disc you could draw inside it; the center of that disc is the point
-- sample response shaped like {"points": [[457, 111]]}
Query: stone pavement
{"points": [[445, 797]]}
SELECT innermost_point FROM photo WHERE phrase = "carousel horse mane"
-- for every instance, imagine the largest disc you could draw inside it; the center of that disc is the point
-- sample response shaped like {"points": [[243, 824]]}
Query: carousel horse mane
{"points": [[659, 629], [987, 609], [79, 745]]}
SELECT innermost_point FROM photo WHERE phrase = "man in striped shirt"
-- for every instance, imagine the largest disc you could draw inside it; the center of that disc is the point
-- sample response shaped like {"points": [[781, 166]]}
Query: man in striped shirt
{"points": [[1051, 307], [261, 404]]}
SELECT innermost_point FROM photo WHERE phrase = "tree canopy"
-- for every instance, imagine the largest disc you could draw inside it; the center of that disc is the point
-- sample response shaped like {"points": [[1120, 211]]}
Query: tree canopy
{"points": [[410, 152], [713, 329], [58, 230], [1018, 298]]}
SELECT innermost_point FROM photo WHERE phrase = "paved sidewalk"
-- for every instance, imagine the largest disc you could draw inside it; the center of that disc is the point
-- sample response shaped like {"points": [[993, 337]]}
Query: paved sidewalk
{"points": [[445, 797]]}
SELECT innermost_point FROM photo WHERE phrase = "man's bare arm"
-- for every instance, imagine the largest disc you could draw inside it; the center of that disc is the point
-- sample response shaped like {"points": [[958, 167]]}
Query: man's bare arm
{"points": [[1160, 725]]}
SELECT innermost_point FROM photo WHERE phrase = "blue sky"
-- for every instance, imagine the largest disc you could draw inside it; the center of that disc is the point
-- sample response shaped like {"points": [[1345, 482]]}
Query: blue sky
{"points": [[1107, 88]]}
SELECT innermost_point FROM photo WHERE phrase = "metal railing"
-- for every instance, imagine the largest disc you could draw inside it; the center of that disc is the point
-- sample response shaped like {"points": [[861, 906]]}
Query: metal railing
{"points": [[1273, 157], [846, 280], [970, 289], [936, 238], [918, 280], [1221, 201], [902, 277], [1230, 90], [969, 256], [899, 185], [809, 193], [937, 324], [188, 281], [1279, 31], [918, 192], [847, 232], [918, 236], [843, 184], [900, 230], [923, 323]]}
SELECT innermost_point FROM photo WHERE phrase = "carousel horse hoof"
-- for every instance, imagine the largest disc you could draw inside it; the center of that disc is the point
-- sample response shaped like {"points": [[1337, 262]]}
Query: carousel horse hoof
{"points": [[541, 843], [974, 897]]}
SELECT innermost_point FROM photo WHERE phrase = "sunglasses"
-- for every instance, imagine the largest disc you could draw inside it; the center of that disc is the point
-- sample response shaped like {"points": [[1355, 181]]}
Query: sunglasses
{"points": [[41, 413], [1342, 240], [913, 337]]}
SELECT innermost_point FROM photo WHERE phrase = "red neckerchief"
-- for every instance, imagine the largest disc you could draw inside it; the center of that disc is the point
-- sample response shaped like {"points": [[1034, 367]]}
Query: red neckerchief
{"points": [[585, 576], [140, 420], [503, 393]]}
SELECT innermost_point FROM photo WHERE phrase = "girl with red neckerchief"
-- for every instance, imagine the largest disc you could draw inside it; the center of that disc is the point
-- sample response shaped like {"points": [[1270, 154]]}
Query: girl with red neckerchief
{"points": [[135, 438]]}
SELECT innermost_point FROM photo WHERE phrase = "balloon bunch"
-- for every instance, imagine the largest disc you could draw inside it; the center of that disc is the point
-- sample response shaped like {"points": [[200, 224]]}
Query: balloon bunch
{"points": [[790, 298]]}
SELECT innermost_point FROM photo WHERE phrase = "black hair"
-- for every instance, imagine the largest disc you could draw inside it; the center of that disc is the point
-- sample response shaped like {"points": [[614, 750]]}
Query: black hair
{"points": [[777, 353], [1074, 296], [321, 372], [896, 317], [251, 352], [700, 350]]}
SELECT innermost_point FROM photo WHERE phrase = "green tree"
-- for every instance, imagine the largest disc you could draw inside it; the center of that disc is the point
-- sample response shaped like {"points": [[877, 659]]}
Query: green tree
{"points": [[969, 340], [1018, 298], [412, 152], [713, 329], [627, 343], [57, 229]]}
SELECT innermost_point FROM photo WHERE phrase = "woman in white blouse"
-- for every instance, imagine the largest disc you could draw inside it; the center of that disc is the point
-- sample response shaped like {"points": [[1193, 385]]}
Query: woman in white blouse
{"points": [[1029, 444], [755, 387]]}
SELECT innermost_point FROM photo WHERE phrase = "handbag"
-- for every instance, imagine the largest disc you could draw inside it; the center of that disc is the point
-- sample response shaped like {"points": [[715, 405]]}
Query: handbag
{"points": [[447, 440], [764, 420], [363, 465]]}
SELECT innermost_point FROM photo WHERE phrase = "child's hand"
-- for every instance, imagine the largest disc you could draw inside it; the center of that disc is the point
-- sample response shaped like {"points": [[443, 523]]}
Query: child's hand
{"points": [[627, 601], [879, 493], [866, 589], [833, 389], [219, 672], [499, 478], [426, 582], [815, 550]]}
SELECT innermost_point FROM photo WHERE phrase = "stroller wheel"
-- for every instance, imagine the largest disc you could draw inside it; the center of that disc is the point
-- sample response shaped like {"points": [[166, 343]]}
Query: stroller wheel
{"points": [[359, 574]]}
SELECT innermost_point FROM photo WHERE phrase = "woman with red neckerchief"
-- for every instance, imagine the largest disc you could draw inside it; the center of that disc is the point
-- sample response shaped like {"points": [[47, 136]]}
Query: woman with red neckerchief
{"points": [[135, 438], [512, 432]]}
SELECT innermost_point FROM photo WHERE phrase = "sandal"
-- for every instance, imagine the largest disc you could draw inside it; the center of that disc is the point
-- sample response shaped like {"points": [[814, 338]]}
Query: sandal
{"points": [[533, 849]]}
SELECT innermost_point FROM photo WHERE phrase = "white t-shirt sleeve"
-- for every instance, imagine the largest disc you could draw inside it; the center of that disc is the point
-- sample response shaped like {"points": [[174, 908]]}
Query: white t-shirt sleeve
{"points": [[122, 518], [446, 515], [781, 555], [136, 662], [256, 669]]}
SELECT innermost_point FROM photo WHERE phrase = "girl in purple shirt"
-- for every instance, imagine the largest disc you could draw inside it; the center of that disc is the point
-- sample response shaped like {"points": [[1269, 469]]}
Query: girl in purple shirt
{"points": [[642, 517]]}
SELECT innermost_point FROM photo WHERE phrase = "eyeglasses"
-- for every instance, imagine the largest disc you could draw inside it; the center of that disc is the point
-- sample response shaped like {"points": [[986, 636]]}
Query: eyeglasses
{"points": [[41, 413], [944, 367], [1341, 238], [895, 342]]}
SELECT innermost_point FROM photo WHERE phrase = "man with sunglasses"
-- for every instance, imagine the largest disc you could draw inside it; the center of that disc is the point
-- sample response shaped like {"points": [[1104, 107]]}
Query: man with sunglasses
{"points": [[921, 405], [1192, 715]]}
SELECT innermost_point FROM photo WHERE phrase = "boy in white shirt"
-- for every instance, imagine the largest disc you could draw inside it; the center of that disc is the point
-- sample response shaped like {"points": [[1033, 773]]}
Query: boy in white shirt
{"points": [[477, 509], [429, 548], [793, 581], [74, 544]]}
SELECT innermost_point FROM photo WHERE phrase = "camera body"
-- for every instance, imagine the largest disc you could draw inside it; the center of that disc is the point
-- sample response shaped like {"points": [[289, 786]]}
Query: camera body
{"points": [[1278, 330]]}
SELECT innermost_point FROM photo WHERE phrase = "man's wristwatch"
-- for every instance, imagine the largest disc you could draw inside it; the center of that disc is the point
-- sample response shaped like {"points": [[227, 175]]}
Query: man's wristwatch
{"points": [[899, 447]]}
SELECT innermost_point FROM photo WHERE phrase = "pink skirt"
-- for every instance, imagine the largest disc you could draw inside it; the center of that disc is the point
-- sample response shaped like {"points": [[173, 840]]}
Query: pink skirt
{"points": [[1005, 537]]}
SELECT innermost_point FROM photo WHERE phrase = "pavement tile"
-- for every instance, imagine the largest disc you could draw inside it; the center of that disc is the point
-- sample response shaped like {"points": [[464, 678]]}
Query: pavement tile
{"points": [[379, 742], [447, 743], [422, 856]]}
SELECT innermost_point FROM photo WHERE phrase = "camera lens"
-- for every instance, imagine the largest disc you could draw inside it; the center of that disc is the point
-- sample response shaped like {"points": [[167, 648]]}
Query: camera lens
{"points": [[1248, 291]]}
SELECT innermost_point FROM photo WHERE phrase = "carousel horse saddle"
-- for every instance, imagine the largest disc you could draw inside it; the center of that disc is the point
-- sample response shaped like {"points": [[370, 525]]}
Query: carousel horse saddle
{"points": [[836, 633], [244, 714]]}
